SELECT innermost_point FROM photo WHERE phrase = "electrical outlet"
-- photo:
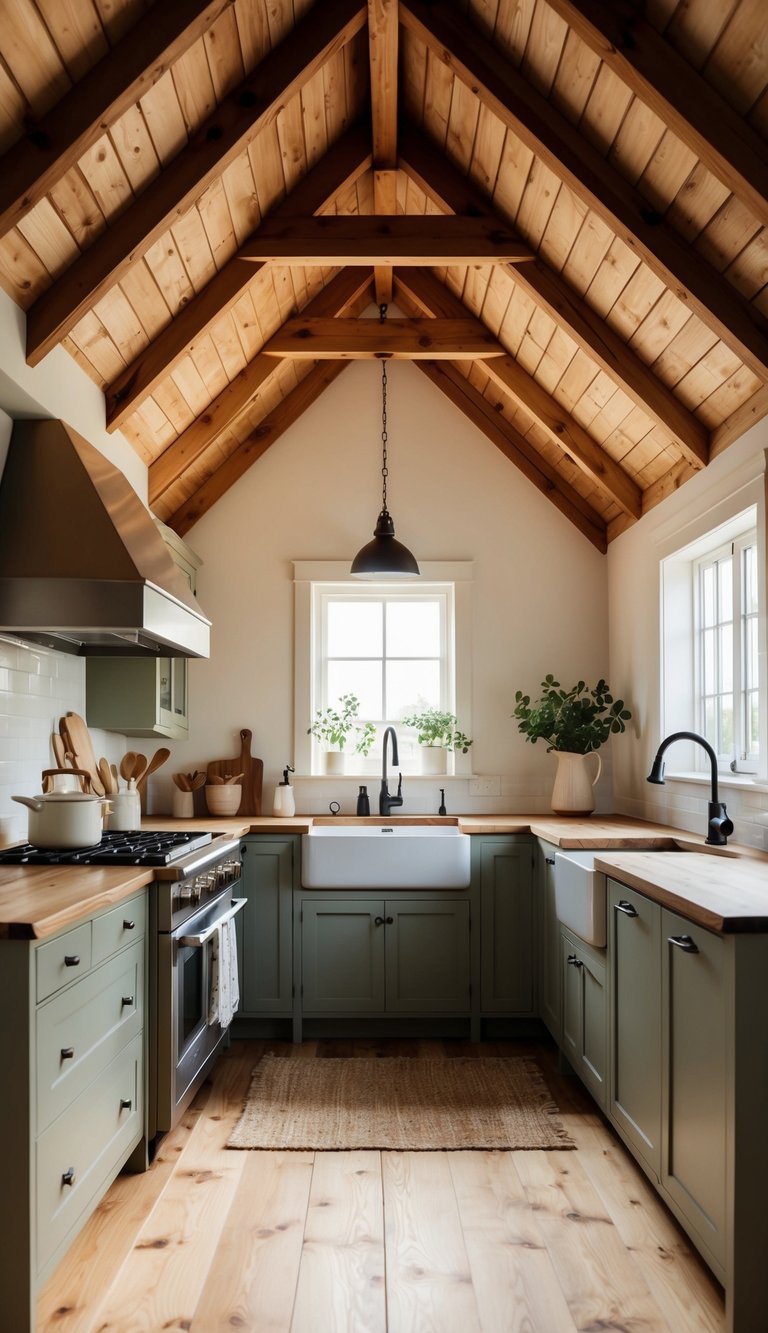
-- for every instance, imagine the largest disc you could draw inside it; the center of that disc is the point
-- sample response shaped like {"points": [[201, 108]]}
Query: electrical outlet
{"points": [[485, 786]]}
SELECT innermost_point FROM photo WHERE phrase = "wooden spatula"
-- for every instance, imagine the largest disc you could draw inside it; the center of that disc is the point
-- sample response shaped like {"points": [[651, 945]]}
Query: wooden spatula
{"points": [[78, 741]]}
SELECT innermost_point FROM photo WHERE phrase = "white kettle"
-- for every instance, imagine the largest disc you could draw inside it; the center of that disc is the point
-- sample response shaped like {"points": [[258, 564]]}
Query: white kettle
{"points": [[64, 819]]}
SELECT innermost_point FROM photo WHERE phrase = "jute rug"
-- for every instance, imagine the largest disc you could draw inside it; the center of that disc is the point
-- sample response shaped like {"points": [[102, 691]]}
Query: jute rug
{"points": [[400, 1104]]}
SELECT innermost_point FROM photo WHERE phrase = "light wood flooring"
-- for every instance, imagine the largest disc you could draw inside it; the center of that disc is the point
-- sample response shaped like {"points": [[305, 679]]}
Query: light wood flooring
{"points": [[517, 1242]]}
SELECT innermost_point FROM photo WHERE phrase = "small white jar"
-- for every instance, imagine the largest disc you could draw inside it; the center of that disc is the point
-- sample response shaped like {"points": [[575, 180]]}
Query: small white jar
{"points": [[125, 811]]}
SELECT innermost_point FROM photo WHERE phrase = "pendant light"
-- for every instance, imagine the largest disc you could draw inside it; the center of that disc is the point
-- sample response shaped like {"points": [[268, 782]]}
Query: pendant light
{"points": [[384, 557]]}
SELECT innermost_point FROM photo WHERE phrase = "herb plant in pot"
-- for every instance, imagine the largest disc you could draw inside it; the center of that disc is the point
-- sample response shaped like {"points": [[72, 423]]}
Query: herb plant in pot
{"points": [[574, 723], [438, 733], [333, 726]]}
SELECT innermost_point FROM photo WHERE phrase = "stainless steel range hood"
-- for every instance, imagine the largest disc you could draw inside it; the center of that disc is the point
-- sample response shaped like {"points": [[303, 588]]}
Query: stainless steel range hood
{"points": [[82, 566]]}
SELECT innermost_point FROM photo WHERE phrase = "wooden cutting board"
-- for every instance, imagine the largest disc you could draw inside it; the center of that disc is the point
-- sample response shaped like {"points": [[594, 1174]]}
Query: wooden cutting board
{"points": [[251, 769], [77, 740]]}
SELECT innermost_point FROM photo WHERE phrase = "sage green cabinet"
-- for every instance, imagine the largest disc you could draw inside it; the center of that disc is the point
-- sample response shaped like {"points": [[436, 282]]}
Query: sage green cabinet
{"points": [[265, 926], [584, 1012], [548, 949], [384, 956], [504, 868], [634, 951]]}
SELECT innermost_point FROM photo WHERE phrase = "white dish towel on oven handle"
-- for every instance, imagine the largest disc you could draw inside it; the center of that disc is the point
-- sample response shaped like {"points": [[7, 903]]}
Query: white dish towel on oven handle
{"points": [[225, 987]]}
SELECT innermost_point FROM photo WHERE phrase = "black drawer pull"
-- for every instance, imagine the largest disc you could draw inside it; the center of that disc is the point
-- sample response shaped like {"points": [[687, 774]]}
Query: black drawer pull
{"points": [[126, 1000], [129, 925], [67, 1052], [378, 921], [69, 1176], [683, 942], [125, 1104], [550, 860], [573, 961], [626, 908], [390, 920], [71, 960]]}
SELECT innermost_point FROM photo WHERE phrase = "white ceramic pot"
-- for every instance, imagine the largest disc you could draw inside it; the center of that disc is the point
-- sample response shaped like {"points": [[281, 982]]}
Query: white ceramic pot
{"points": [[572, 793], [335, 762], [183, 804], [434, 759], [64, 819], [125, 812]]}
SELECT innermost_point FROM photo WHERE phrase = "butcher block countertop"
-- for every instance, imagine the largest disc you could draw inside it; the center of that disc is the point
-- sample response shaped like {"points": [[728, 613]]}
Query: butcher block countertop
{"points": [[725, 892]]}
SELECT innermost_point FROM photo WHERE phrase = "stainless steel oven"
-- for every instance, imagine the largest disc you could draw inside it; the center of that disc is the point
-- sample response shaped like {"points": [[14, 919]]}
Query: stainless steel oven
{"points": [[188, 913]]}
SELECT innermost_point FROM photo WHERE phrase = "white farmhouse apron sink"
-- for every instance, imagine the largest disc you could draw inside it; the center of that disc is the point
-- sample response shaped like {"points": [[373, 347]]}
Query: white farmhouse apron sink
{"points": [[385, 856]]}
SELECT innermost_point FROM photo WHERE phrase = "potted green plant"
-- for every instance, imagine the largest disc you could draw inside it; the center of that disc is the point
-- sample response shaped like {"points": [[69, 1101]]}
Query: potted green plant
{"points": [[332, 727], [574, 723], [438, 733]]}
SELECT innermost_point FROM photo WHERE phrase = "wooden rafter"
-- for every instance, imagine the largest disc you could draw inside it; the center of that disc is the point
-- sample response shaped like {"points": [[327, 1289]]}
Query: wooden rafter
{"points": [[462, 338], [724, 141], [344, 162], [348, 292], [445, 186], [236, 120], [385, 240], [420, 289], [255, 444], [383, 29], [55, 142], [581, 167], [517, 449]]}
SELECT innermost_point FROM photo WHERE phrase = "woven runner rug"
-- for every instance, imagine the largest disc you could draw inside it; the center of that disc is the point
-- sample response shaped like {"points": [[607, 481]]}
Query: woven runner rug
{"points": [[399, 1103]]}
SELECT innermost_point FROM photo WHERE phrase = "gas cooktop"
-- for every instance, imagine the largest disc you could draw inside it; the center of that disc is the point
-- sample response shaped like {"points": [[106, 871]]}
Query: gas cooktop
{"points": [[135, 848]]}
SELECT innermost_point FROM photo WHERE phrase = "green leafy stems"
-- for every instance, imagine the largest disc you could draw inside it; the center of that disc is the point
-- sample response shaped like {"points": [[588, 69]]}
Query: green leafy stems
{"points": [[332, 726], [437, 728], [578, 720]]}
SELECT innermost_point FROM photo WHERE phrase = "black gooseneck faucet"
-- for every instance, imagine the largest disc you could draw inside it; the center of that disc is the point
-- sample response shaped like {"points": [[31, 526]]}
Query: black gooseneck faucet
{"points": [[719, 826], [386, 802]]}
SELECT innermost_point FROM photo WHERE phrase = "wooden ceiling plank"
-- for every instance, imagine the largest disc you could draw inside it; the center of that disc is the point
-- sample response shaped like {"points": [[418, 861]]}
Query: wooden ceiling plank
{"points": [[254, 104], [383, 29], [309, 338], [348, 290], [517, 449], [445, 186], [255, 444], [564, 150], [347, 159], [668, 84], [428, 294], [388, 240], [54, 143], [744, 417]]}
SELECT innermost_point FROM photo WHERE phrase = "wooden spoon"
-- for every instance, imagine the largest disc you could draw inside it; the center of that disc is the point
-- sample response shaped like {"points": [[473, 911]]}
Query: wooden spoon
{"points": [[105, 773], [59, 750], [158, 758], [126, 764], [139, 765]]}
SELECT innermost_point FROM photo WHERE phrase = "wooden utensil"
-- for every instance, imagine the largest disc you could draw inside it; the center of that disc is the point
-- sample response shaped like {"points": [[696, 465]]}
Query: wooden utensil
{"points": [[105, 773], [158, 758], [252, 774], [126, 765], [77, 740], [59, 750]]}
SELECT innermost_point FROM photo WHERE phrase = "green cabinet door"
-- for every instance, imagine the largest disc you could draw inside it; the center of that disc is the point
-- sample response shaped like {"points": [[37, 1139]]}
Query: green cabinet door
{"points": [[265, 926], [634, 1104], [342, 956], [427, 957], [506, 916], [584, 1015], [549, 969], [694, 1077]]}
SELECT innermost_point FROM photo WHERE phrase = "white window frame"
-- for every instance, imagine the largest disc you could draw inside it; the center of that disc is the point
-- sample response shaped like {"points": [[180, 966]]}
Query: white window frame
{"points": [[314, 578], [739, 760]]}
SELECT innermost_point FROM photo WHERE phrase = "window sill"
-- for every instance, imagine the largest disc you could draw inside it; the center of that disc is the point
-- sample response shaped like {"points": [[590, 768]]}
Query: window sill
{"points": [[734, 780]]}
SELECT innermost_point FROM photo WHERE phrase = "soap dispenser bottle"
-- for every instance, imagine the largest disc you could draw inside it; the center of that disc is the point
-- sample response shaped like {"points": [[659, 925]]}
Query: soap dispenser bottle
{"points": [[284, 803]]}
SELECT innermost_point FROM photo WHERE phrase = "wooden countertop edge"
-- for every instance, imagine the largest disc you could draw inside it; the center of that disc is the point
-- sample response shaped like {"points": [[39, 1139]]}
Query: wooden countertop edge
{"points": [[47, 917]]}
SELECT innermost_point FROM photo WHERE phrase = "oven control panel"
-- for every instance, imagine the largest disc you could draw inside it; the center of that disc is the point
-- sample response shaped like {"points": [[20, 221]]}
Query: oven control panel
{"points": [[199, 889]]}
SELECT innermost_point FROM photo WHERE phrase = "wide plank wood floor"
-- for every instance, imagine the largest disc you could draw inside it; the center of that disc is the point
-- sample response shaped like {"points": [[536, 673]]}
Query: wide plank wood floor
{"points": [[466, 1242]]}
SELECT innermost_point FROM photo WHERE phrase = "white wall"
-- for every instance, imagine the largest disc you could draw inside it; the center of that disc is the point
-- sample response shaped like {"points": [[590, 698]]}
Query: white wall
{"points": [[540, 596], [730, 484]]}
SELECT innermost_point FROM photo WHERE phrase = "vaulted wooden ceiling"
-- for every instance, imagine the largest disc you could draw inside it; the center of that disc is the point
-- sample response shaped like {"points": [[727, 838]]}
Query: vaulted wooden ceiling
{"points": [[567, 201]]}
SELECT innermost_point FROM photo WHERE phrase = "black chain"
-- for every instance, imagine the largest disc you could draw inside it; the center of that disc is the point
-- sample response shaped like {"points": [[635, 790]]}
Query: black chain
{"points": [[384, 468]]}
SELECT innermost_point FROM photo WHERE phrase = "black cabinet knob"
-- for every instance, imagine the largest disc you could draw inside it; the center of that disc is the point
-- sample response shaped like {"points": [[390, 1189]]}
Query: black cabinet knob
{"points": [[378, 921], [573, 961], [126, 1000], [69, 1176], [390, 920], [125, 1104], [67, 1052], [129, 925], [71, 960]]}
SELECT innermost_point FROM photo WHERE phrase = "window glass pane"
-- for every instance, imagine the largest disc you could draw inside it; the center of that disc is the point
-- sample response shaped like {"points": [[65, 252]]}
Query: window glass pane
{"points": [[411, 686], [750, 580], [750, 655], [726, 657], [354, 629], [753, 723], [710, 722], [361, 678], [708, 595], [725, 589], [726, 724], [709, 662], [413, 629]]}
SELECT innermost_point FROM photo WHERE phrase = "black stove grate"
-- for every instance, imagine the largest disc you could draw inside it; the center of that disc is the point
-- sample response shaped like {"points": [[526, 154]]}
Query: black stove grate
{"points": [[135, 848]]}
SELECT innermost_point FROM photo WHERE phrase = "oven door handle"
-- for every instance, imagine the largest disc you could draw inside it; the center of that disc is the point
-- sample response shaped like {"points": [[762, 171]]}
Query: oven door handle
{"points": [[197, 941]]}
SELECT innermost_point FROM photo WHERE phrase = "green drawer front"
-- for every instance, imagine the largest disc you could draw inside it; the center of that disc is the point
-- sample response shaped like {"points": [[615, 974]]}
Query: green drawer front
{"points": [[92, 1138], [93, 1020], [53, 970], [120, 926]]}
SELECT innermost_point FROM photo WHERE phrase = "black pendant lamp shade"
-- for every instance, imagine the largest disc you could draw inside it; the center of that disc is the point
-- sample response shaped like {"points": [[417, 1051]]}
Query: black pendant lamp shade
{"points": [[384, 557]]}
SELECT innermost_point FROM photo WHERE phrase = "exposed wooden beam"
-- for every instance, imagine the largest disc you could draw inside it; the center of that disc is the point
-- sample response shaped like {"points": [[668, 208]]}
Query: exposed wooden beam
{"points": [[485, 416], [54, 143], [344, 162], [741, 420], [695, 112], [385, 240], [348, 291], [255, 444], [313, 339], [492, 77], [420, 289], [237, 119], [445, 186], [383, 29]]}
